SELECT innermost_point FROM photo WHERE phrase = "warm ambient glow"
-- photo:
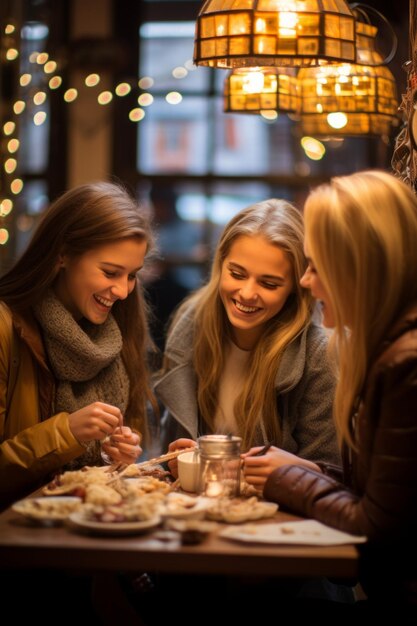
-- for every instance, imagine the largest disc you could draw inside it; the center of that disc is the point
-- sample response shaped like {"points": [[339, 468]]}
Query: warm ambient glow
{"points": [[25, 79], [105, 97], [173, 97], [145, 99], [9, 128], [350, 99], [122, 89], [10, 166], [13, 145], [136, 115], [252, 90], [313, 148], [337, 120], [16, 186], [6, 206], [249, 33], [4, 236], [179, 72], [39, 118], [39, 98], [50, 67], [55, 82], [146, 82], [70, 95], [12, 54], [92, 80], [19, 107]]}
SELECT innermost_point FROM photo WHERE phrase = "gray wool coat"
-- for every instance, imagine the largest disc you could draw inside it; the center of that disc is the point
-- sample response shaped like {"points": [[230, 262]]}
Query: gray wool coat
{"points": [[304, 385]]}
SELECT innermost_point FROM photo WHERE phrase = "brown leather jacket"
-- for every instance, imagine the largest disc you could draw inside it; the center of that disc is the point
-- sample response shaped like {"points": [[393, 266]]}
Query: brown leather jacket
{"points": [[381, 498]]}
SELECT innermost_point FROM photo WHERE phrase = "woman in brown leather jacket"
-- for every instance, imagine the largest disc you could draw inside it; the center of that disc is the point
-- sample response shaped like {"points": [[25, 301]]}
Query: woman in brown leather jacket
{"points": [[361, 241]]}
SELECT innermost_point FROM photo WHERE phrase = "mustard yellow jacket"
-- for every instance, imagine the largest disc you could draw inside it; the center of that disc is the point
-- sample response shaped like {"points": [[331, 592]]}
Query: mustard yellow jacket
{"points": [[32, 443]]}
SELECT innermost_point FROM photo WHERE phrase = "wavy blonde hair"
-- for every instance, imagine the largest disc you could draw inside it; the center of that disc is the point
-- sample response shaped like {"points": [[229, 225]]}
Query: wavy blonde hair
{"points": [[361, 232], [281, 224]]}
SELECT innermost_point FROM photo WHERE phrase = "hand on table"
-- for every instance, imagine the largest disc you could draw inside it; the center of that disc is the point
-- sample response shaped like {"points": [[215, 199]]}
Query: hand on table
{"points": [[178, 444]]}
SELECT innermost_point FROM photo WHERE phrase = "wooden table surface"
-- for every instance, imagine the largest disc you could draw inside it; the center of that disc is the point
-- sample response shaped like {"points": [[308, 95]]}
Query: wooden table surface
{"points": [[25, 546]]}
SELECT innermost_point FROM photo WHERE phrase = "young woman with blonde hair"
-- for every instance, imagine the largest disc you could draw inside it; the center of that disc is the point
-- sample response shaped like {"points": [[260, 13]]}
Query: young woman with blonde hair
{"points": [[243, 355], [73, 339], [361, 234]]}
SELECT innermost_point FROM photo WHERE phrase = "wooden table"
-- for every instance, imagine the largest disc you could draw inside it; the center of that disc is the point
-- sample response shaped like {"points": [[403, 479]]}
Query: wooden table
{"points": [[24, 546]]}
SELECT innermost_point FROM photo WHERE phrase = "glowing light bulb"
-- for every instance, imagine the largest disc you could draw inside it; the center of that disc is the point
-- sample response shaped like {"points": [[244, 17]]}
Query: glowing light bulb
{"points": [[173, 97], [92, 80], [287, 24], [136, 115], [123, 89], [253, 82], [145, 99], [4, 236], [105, 97], [337, 120], [70, 95]]}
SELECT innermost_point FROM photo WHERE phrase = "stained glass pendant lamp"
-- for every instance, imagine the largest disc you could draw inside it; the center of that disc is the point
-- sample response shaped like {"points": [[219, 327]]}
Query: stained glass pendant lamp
{"points": [[350, 99], [285, 33], [261, 90]]}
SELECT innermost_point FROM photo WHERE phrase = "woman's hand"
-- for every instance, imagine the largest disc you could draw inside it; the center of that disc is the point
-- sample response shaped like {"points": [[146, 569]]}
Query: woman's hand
{"points": [[122, 446], [256, 469], [95, 421], [178, 444]]}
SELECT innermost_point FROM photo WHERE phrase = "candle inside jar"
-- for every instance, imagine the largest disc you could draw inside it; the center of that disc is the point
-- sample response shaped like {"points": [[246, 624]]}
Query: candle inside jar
{"points": [[214, 488]]}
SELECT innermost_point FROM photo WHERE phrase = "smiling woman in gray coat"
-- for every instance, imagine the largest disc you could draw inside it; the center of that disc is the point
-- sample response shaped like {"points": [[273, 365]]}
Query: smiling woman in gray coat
{"points": [[243, 355]]}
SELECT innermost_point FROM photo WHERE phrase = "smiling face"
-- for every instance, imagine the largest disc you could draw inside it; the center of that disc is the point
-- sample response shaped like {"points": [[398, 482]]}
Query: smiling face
{"points": [[311, 280], [255, 282], [88, 285]]}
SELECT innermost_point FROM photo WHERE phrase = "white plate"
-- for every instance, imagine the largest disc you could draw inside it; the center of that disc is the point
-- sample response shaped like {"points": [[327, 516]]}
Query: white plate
{"points": [[306, 532], [113, 528], [47, 510], [196, 511]]}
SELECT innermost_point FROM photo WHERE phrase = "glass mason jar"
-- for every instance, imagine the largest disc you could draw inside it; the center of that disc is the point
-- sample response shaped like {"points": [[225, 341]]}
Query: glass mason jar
{"points": [[219, 465]]}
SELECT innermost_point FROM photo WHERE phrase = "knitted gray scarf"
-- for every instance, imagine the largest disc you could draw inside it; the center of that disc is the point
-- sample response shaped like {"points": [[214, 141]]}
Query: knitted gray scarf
{"points": [[86, 361]]}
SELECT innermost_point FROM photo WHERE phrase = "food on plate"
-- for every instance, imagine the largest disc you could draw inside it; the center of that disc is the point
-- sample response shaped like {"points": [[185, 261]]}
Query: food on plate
{"points": [[156, 471], [101, 494], [183, 506], [133, 510], [180, 500], [237, 510], [104, 485], [74, 482], [49, 509], [140, 486]]}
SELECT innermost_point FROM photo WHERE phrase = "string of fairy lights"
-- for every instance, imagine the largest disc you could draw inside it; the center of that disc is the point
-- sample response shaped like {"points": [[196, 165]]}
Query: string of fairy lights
{"points": [[42, 76], [37, 98]]}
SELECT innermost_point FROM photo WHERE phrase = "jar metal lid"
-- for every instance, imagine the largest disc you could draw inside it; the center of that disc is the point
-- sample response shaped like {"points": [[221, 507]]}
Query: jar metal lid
{"points": [[219, 445]]}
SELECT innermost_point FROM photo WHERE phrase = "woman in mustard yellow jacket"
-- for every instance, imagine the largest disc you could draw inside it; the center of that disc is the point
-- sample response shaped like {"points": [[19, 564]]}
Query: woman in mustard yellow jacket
{"points": [[73, 340]]}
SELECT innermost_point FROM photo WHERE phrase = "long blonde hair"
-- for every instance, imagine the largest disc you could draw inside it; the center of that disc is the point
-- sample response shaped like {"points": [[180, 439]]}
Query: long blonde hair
{"points": [[82, 219], [361, 233], [281, 224]]}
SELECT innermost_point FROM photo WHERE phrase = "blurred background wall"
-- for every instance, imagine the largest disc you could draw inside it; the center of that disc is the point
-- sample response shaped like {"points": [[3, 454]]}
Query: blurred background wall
{"points": [[106, 89]]}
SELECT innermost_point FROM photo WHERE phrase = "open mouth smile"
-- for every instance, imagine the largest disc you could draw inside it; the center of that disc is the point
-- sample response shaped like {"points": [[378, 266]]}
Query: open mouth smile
{"points": [[243, 308], [103, 301]]}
